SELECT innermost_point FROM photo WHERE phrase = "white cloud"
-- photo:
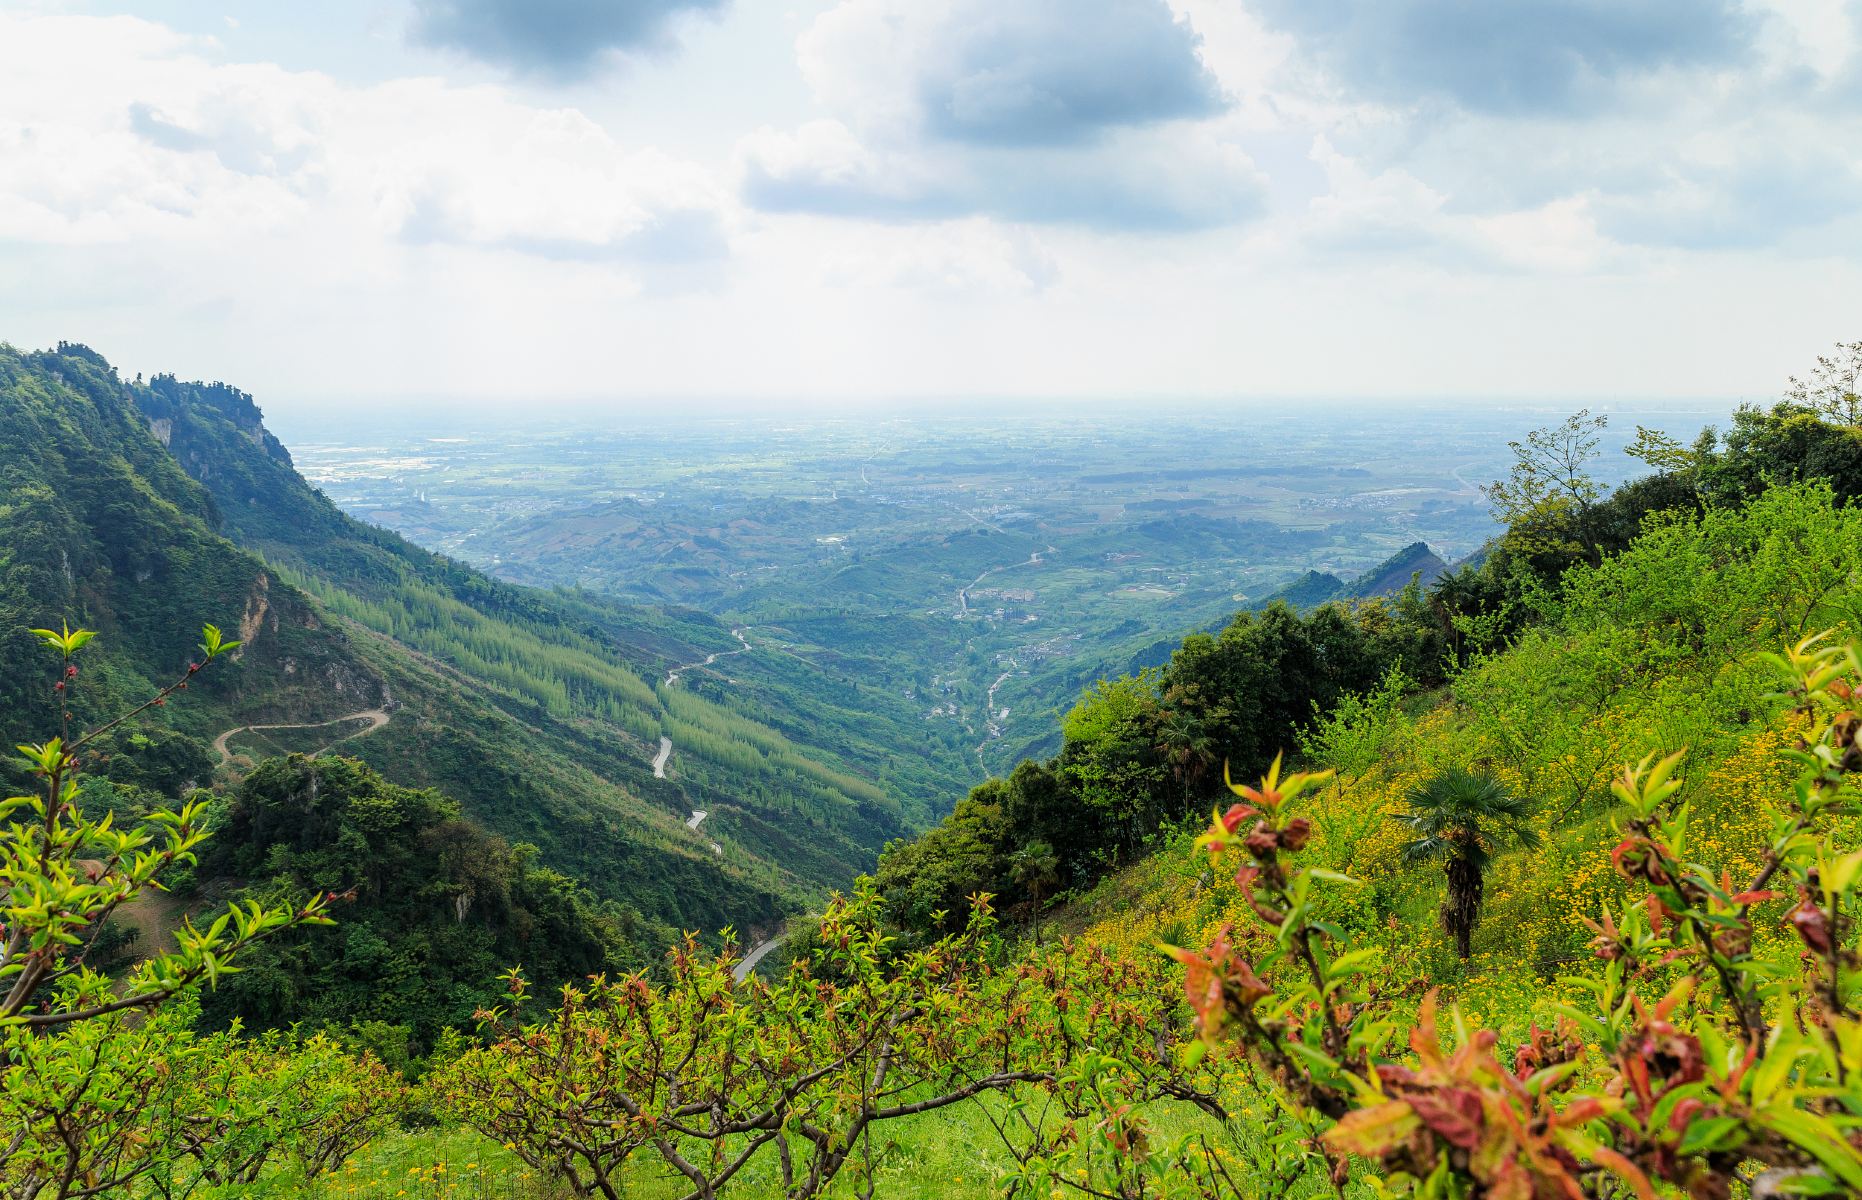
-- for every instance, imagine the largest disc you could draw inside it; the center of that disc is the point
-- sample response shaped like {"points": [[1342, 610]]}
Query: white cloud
{"points": [[960, 217], [170, 142]]}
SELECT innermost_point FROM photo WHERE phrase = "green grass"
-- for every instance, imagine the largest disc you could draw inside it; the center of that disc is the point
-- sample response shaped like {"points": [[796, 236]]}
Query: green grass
{"points": [[950, 1154]]}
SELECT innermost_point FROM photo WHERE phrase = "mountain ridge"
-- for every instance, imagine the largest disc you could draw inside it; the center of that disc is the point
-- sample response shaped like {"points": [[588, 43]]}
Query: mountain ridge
{"points": [[171, 502]]}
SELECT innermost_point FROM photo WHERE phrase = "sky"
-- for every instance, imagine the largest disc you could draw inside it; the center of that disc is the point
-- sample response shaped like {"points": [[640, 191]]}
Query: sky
{"points": [[536, 204]]}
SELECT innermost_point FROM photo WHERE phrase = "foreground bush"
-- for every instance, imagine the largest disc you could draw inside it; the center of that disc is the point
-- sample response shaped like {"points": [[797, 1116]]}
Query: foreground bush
{"points": [[104, 1087], [705, 1074], [1710, 1054]]}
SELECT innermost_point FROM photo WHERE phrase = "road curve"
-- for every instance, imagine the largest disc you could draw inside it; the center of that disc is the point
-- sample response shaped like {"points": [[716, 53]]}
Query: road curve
{"points": [[742, 970], [743, 647], [376, 717], [659, 760]]}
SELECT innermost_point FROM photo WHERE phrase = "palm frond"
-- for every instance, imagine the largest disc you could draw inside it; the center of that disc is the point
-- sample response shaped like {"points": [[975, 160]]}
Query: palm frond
{"points": [[1426, 848], [1474, 812]]}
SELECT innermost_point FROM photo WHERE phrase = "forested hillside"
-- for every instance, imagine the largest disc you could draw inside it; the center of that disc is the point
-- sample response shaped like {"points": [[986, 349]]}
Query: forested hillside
{"points": [[1537, 880], [140, 509]]}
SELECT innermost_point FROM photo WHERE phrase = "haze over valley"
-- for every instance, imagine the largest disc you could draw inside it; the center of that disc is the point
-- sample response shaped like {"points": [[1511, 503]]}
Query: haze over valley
{"points": [[978, 568]]}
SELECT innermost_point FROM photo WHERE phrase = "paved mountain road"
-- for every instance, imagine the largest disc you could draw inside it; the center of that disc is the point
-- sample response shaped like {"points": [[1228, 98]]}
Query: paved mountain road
{"points": [[742, 970]]}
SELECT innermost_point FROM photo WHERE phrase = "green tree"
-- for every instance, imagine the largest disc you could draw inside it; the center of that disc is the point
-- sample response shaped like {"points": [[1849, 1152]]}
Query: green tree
{"points": [[1785, 444], [81, 1080], [1035, 868], [1184, 740], [1463, 818], [1548, 494], [1834, 388]]}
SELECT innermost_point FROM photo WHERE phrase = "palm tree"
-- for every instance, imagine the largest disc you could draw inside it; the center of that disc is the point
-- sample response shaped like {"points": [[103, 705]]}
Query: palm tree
{"points": [[1464, 818], [1186, 743], [1035, 868]]}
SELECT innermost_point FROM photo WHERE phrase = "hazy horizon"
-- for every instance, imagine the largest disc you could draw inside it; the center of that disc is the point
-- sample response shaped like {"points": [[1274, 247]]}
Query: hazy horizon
{"points": [[305, 420]]}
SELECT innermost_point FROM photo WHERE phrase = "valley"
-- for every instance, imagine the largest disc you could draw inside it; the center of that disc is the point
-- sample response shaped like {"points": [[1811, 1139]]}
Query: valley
{"points": [[974, 569], [930, 600]]}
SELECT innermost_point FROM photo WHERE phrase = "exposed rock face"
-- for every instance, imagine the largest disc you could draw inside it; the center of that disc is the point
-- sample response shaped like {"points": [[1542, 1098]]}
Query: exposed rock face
{"points": [[258, 606]]}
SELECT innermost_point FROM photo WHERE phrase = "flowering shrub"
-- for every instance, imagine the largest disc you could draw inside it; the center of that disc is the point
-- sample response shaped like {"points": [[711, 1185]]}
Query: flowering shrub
{"points": [[88, 1100], [706, 1074], [1703, 1051]]}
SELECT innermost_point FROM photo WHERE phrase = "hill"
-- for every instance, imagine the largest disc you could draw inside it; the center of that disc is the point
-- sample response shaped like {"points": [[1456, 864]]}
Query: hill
{"points": [[1413, 562], [141, 509], [1652, 647]]}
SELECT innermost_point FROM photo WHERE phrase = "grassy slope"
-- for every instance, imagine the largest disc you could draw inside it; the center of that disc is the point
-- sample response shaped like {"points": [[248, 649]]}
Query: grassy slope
{"points": [[1653, 651]]}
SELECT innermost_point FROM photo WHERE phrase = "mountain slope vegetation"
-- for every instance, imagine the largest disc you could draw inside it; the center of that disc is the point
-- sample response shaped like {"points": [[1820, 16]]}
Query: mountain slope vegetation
{"points": [[1626, 1023], [1558, 898], [141, 508]]}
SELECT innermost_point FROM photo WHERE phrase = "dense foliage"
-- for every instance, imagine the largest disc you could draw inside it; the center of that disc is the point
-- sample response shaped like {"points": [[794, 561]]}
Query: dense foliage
{"points": [[791, 1083], [98, 1092], [1659, 997], [1702, 1048], [435, 907]]}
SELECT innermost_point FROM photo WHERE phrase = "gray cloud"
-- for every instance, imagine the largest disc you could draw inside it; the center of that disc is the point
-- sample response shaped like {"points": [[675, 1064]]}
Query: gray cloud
{"points": [[1104, 189], [565, 39], [1047, 72], [1756, 203], [1090, 113], [1509, 57]]}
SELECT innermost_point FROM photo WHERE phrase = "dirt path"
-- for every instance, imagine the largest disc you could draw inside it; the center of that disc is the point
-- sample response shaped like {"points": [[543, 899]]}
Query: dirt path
{"points": [[155, 916], [963, 593], [376, 718], [743, 647], [742, 970]]}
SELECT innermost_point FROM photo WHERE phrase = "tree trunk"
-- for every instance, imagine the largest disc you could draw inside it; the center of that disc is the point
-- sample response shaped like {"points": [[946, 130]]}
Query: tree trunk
{"points": [[1462, 909]]}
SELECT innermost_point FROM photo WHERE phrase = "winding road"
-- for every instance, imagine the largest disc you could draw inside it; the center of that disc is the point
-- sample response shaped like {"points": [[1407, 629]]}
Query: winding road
{"points": [[376, 718], [665, 743], [963, 593], [992, 719], [742, 970], [659, 772], [743, 647]]}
